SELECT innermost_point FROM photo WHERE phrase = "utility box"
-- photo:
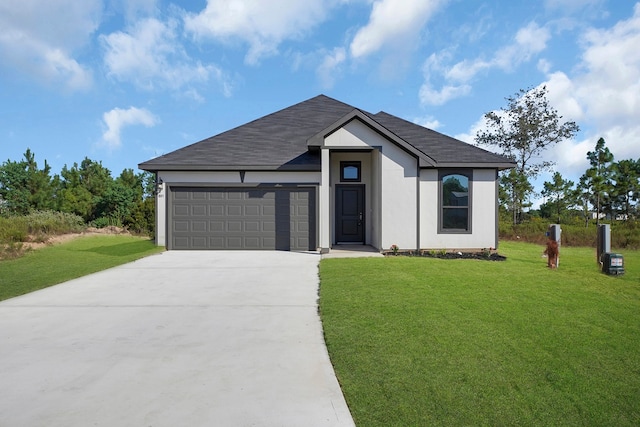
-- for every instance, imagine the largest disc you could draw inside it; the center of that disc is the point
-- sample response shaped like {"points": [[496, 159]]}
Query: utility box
{"points": [[612, 264]]}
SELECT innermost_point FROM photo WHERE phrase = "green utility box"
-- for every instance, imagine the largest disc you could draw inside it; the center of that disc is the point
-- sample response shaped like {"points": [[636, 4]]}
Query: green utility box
{"points": [[612, 264]]}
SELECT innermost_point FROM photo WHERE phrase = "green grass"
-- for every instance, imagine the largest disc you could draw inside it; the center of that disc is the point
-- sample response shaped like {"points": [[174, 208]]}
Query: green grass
{"points": [[55, 264], [421, 341]]}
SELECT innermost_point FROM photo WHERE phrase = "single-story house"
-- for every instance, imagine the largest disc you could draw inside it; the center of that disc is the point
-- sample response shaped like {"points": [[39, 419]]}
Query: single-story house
{"points": [[322, 173]]}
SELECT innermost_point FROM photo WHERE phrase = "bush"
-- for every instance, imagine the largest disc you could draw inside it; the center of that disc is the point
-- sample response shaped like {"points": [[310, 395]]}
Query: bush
{"points": [[53, 222], [105, 221], [40, 224], [13, 229]]}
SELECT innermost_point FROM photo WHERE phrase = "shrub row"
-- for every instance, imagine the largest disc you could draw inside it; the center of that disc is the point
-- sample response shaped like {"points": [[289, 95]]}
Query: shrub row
{"points": [[624, 234]]}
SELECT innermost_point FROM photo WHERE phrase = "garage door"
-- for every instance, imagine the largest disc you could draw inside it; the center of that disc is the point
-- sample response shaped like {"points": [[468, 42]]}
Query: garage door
{"points": [[242, 218]]}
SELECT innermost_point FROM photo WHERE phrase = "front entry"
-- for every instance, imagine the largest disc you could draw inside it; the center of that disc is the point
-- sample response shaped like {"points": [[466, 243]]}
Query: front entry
{"points": [[350, 214]]}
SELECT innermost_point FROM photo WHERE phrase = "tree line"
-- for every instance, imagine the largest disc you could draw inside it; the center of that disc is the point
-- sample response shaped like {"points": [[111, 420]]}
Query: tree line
{"points": [[527, 127], [86, 189]]}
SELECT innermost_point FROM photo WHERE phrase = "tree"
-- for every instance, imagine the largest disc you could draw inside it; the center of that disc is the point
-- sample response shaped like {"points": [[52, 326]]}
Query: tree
{"points": [[24, 187], [559, 192], [523, 131], [582, 195], [626, 174], [513, 189], [597, 179], [83, 187]]}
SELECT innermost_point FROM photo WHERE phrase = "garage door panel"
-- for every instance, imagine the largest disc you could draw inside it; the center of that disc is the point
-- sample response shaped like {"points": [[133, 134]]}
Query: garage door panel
{"points": [[180, 210], [216, 242], [199, 242], [252, 226], [237, 218], [234, 210], [216, 210], [199, 226], [181, 226], [199, 210], [234, 226], [252, 210]]}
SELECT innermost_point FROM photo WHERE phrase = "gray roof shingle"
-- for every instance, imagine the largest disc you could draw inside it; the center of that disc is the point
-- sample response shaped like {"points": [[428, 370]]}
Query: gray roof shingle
{"points": [[279, 140]]}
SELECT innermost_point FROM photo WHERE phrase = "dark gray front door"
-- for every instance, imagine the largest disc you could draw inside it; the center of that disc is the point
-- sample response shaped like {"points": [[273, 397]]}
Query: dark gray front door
{"points": [[242, 218], [350, 214]]}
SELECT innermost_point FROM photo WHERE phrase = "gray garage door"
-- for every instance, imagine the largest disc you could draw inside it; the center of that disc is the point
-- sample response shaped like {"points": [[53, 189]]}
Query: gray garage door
{"points": [[242, 218]]}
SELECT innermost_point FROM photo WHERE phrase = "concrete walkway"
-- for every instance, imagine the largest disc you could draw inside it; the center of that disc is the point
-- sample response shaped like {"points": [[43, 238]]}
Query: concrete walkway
{"points": [[176, 339]]}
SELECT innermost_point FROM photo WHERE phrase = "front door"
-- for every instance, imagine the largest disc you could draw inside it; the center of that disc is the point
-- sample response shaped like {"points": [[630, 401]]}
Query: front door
{"points": [[350, 214]]}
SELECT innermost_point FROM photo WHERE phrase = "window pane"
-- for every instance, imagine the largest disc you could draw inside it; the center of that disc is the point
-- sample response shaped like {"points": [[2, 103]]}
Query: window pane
{"points": [[455, 218], [350, 172], [455, 190]]}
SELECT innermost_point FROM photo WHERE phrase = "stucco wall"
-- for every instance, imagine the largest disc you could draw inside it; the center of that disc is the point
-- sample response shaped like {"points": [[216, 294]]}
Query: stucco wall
{"points": [[483, 211], [391, 185]]}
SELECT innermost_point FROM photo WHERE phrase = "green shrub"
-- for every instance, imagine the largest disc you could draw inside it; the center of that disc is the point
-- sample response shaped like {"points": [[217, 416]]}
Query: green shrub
{"points": [[105, 221], [13, 229], [53, 222]]}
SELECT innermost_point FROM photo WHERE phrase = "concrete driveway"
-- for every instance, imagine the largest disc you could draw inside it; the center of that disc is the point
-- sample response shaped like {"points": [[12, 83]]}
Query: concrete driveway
{"points": [[176, 339]]}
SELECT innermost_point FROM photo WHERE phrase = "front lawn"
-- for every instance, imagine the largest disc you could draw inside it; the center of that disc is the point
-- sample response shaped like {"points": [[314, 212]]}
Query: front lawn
{"points": [[423, 341], [55, 264]]}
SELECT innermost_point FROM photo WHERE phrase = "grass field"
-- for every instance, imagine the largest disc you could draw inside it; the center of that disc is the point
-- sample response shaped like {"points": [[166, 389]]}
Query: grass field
{"points": [[55, 264], [421, 341]]}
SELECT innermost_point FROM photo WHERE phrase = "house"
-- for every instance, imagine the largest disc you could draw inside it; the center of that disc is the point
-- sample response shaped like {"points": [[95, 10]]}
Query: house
{"points": [[322, 173]]}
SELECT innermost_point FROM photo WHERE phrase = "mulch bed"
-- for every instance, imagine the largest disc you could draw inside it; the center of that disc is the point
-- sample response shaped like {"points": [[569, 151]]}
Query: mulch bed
{"points": [[493, 256]]}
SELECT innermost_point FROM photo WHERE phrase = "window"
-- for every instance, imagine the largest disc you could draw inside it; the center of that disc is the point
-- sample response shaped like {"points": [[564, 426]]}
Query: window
{"points": [[455, 209], [350, 171]]}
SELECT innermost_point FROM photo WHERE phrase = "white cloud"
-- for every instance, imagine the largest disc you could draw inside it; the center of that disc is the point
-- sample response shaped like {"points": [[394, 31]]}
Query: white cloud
{"points": [[429, 122], [528, 41], [151, 56], [603, 95], [263, 25], [431, 96], [392, 23], [480, 125], [38, 39], [544, 65], [116, 119], [330, 66]]}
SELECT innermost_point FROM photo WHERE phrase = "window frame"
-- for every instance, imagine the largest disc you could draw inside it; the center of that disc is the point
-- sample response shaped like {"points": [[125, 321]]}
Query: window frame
{"points": [[442, 174], [351, 163]]}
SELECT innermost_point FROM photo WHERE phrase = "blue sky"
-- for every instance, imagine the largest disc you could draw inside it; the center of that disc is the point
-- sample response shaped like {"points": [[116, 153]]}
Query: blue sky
{"points": [[124, 81]]}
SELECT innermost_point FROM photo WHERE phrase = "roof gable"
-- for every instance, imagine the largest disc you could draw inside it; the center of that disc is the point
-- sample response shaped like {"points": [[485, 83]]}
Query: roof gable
{"points": [[277, 141], [287, 140]]}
